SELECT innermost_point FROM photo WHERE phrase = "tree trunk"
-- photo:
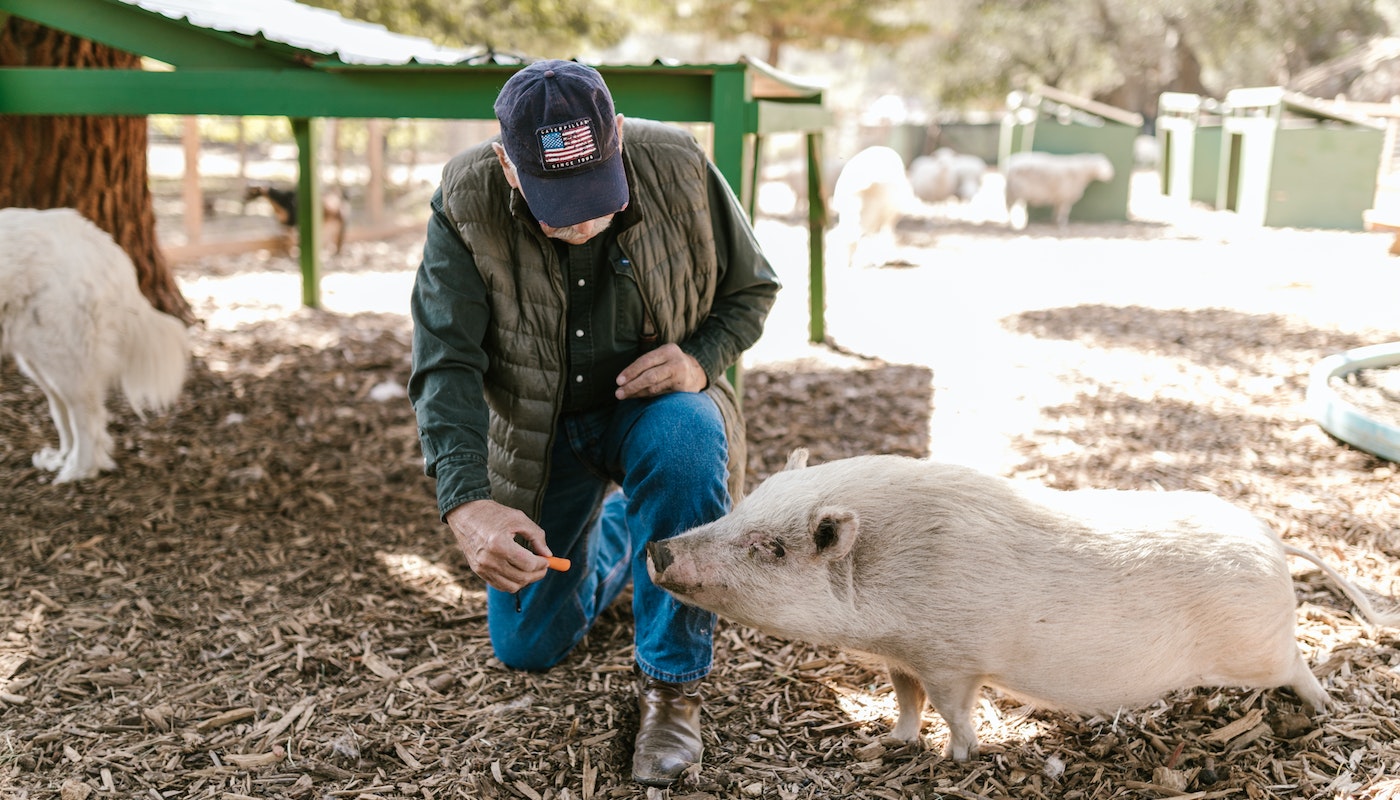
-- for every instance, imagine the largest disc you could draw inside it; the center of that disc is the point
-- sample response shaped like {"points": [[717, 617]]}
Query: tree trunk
{"points": [[1189, 76], [775, 49], [96, 165]]}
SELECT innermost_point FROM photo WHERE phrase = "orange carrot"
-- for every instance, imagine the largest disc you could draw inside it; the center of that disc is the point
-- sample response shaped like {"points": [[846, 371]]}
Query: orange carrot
{"points": [[555, 563]]}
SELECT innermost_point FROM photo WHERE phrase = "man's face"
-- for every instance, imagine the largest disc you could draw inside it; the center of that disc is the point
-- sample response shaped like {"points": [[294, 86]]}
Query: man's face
{"points": [[573, 234], [580, 233]]}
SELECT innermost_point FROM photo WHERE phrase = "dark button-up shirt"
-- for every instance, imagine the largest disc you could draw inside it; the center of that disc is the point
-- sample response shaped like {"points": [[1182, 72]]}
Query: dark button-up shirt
{"points": [[604, 335]]}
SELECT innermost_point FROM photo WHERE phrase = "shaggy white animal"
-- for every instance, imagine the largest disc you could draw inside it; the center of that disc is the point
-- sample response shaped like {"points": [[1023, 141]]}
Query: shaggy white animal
{"points": [[872, 193], [1047, 179], [946, 174], [75, 322]]}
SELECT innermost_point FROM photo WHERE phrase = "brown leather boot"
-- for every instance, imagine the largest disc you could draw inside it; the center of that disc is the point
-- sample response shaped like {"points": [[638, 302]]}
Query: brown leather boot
{"points": [[668, 735]]}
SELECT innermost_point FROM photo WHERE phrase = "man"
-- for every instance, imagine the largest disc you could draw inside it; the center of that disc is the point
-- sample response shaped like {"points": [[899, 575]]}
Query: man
{"points": [[574, 314]]}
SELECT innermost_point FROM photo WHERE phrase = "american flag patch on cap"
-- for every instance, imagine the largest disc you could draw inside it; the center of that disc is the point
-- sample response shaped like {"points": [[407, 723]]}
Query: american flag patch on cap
{"points": [[568, 144]]}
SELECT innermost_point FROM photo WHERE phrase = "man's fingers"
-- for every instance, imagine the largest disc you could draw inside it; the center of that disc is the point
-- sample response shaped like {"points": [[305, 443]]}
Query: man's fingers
{"points": [[644, 387], [644, 364], [641, 383], [508, 576], [654, 373], [668, 368], [491, 536]]}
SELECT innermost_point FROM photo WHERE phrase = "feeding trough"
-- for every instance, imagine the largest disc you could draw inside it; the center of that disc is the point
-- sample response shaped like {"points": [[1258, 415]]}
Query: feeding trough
{"points": [[1344, 419]]}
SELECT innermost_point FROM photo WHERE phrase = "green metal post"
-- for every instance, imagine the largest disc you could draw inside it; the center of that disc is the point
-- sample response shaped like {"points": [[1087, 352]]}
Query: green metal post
{"points": [[731, 133], [305, 131], [816, 226], [728, 112], [755, 165]]}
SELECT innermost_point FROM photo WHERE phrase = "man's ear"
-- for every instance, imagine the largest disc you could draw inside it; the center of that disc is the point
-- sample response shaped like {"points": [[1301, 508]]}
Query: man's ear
{"points": [[506, 167], [619, 129]]}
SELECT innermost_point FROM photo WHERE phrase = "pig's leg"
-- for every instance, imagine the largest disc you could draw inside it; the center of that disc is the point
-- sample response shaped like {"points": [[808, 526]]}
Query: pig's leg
{"points": [[1305, 685], [953, 699], [909, 691]]}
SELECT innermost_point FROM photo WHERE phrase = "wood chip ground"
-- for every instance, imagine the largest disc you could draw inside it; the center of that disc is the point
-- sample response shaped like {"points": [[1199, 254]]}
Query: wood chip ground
{"points": [[261, 603]]}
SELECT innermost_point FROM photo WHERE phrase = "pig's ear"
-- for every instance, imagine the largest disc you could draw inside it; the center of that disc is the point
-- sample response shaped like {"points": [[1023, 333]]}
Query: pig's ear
{"points": [[797, 459], [834, 531]]}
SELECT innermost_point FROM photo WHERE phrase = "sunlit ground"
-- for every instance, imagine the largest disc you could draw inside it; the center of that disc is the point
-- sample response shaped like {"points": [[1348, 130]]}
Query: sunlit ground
{"points": [[877, 707], [233, 301], [431, 580], [943, 304], [957, 278]]}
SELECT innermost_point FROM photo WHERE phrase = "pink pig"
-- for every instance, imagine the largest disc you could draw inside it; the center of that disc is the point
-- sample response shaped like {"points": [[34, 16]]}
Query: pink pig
{"points": [[1087, 601]]}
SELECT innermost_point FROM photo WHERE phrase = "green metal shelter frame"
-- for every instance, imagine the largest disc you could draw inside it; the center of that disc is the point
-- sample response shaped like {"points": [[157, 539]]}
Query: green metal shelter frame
{"points": [[220, 72]]}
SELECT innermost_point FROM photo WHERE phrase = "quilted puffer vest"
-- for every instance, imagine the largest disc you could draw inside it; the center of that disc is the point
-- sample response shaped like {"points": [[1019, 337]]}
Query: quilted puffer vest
{"points": [[671, 249]]}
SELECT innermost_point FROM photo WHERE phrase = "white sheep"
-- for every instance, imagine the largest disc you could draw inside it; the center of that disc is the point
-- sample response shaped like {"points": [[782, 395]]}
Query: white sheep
{"points": [[871, 194], [1048, 179], [946, 174]]}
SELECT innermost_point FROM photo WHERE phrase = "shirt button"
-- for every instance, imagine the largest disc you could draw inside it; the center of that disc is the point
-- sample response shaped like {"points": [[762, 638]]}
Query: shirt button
{"points": [[580, 281], [578, 379], [579, 333]]}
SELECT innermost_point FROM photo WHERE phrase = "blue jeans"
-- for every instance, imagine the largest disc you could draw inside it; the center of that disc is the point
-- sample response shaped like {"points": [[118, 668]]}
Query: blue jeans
{"points": [[669, 456]]}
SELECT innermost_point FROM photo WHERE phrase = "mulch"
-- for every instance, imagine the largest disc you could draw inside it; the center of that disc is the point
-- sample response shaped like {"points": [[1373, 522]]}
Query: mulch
{"points": [[1374, 392], [261, 603]]}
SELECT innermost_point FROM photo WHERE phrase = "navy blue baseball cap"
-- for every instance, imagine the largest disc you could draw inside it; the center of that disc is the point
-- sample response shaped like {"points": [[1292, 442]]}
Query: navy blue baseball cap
{"points": [[560, 131]]}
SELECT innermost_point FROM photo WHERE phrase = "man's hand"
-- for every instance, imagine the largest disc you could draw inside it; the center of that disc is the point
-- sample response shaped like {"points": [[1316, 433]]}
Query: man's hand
{"points": [[668, 368], [486, 532]]}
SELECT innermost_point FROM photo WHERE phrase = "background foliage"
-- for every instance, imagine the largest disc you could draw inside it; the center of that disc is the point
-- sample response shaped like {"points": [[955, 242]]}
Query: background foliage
{"points": [[533, 27], [1128, 53], [948, 53]]}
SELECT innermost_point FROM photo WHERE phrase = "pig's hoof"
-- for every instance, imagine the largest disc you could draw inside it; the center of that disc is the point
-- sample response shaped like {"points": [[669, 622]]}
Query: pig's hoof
{"points": [[904, 733], [959, 751], [898, 743]]}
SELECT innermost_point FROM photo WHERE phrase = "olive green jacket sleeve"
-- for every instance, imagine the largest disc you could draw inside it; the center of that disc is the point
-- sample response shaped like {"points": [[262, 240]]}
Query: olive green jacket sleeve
{"points": [[747, 285], [450, 316]]}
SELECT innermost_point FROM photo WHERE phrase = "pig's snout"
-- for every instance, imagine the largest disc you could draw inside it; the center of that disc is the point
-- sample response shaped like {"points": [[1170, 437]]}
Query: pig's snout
{"points": [[660, 556], [672, 570]]}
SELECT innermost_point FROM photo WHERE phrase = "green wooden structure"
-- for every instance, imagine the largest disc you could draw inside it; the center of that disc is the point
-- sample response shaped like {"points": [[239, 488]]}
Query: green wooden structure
{"points": [[1288, 160], [1188, 138], [976, 134], [223, 62], [1053, 121]]}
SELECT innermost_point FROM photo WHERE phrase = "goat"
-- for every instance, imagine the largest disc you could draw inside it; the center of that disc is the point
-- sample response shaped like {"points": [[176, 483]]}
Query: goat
{"points": [[284, 208]]}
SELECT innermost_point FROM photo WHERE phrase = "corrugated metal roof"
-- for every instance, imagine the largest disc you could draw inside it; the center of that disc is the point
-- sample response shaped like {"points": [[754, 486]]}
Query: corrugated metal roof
{"points": [[317, 30]]}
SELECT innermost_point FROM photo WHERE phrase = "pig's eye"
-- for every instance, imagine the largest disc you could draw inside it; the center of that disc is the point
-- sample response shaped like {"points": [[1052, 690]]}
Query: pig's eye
{"points": [[767, 549]]}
